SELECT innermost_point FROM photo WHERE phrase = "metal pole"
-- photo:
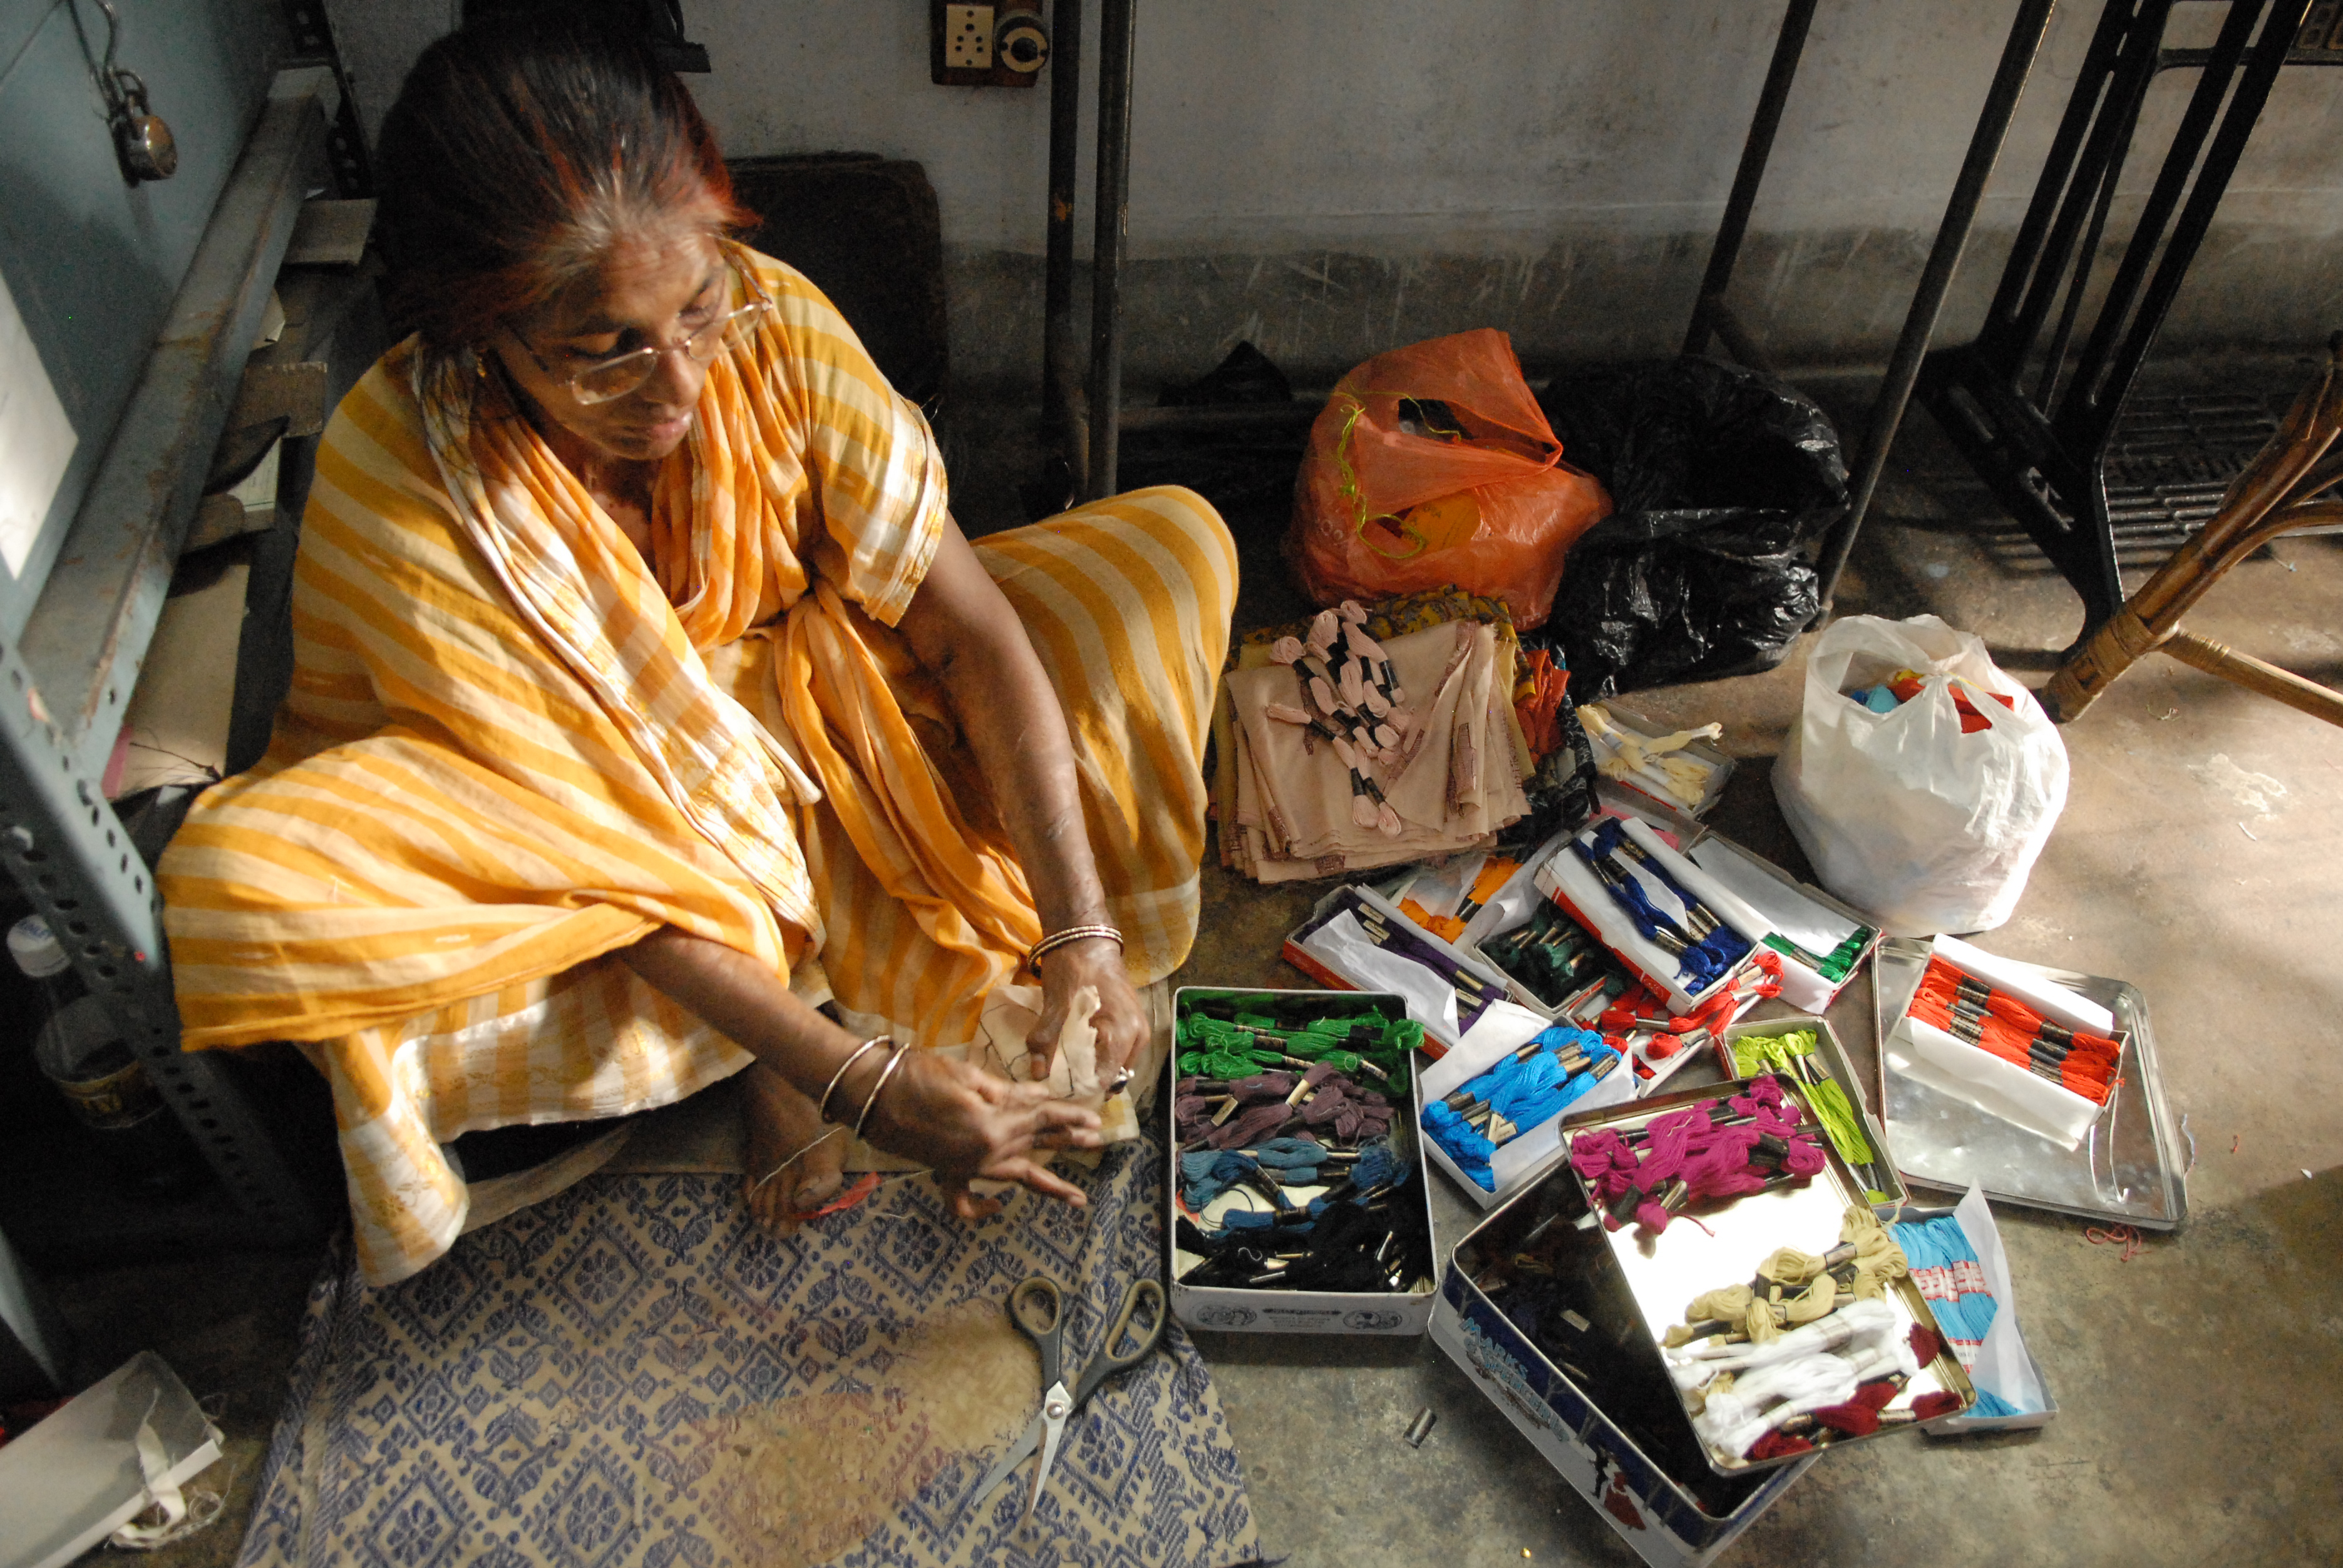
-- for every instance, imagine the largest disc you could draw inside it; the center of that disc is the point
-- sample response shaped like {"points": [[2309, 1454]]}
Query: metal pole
{"points": [[2025, 33], [1788, 45], [1113, 219], [1059, 389]]}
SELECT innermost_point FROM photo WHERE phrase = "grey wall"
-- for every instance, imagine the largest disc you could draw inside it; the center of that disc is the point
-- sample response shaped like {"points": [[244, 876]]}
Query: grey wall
{"points": [[1330, 177]]}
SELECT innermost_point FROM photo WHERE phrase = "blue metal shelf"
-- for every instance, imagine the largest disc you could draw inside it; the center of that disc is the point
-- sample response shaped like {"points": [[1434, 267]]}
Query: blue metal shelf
{"points": [[64, 689]]}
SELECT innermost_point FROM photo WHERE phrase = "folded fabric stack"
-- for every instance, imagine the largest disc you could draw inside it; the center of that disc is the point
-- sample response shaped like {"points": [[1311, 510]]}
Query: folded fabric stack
{"points": [[1348, 754]]}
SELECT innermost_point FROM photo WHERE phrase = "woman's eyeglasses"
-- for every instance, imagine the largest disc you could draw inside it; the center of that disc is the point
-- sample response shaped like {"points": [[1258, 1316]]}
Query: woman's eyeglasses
{"points": [[615, 377]]}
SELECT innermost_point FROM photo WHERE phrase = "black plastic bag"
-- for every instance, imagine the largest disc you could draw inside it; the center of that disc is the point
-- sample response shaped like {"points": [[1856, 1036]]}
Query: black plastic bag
{"points": [[1243, 465], [1723, 482]]}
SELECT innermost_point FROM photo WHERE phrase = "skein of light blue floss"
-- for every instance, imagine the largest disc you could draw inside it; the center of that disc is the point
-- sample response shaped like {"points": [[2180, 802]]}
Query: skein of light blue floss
{"points": [[1466, 1148], [1941, 1244]]}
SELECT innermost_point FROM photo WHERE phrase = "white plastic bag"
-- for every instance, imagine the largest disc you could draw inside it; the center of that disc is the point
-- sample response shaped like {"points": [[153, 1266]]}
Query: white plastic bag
{"points": [[1904, 816]]}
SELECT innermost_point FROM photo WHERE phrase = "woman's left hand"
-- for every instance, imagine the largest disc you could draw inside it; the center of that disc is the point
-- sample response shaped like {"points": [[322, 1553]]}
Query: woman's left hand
{"points": [[1120, 1021]]}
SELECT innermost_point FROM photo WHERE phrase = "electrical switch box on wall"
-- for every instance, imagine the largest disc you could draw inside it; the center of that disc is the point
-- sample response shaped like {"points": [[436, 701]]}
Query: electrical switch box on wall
{"points": [[1003, 45]]}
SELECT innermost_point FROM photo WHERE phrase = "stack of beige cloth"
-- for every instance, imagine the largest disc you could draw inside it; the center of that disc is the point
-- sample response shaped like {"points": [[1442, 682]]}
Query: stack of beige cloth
{"points": [[1454, 779]]}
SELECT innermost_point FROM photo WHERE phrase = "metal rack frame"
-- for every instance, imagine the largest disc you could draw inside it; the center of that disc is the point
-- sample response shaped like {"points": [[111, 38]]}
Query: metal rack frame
{"points": [[1084, 417], [62, 691]]}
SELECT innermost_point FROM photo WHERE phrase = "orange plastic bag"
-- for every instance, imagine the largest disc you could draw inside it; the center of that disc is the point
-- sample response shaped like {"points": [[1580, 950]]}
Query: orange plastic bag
{"points": [[1432, 464]]}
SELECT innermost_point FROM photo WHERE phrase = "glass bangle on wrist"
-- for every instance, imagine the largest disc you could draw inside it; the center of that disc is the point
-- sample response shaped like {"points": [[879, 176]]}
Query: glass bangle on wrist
{"points": [[1056, 939]]}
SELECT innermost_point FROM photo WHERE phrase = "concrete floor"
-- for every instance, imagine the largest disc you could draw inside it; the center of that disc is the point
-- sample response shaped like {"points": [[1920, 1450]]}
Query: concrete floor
{"points": [[2196, 859]]}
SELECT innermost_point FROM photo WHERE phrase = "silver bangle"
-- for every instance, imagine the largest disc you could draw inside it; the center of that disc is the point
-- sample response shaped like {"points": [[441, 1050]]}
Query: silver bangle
{"points": [[879, 1087], [1056, 940], [822, 1108]]}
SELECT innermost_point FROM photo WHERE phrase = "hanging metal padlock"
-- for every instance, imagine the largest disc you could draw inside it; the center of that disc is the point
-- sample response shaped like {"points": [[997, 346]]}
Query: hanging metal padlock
{"points": [[142, 142]]}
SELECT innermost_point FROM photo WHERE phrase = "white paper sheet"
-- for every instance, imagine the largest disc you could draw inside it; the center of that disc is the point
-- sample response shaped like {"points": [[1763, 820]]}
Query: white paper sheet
{"points": [[2054, 1002], [1977, 1077], [36, 438], [1789, 911], [1343, 943], [2003, 1364]]}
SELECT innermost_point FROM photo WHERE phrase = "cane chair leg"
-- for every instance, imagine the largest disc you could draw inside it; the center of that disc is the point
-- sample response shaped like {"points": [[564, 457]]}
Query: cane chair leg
{"points": [[2244, 669], [2280, 490]]}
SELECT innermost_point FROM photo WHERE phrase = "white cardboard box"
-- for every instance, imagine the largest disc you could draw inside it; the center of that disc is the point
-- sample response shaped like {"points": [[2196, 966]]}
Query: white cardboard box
{"points": [[1952, 1066], [1536, 1150], [1567, 881], [1442, 1027], [1802, 987], [1389, 1313]]}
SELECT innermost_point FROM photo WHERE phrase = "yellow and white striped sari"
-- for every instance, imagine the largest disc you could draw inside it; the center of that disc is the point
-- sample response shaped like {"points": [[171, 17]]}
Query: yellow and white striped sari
{"points": [[512, 747]]}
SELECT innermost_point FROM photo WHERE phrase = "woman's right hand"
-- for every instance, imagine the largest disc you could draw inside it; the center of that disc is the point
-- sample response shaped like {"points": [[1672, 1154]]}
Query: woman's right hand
{"points": [[969, 1125]]}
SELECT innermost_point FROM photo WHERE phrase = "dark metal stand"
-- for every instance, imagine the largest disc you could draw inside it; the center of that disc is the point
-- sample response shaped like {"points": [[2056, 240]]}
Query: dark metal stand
{"points": [[1110, 217], [1064, 407], [2025, 31], [1710, 316], [2047, 469], [2044, 456], [1082, 420]]}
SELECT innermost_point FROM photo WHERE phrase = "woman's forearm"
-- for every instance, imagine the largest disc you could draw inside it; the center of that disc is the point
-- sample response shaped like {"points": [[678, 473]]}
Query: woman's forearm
{"points": [[948, 1115], [754, 1008], [961, 627], [1009, 716], [965, 631]]}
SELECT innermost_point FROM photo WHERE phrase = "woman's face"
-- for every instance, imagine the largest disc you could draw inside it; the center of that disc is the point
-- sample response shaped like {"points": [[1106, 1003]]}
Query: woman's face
{"points": [[651, 293]]}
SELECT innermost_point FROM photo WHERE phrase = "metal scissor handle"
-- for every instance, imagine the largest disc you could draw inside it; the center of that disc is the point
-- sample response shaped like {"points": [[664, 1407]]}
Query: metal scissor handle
{"points": [[1110, 1360], [1039, 1308]]}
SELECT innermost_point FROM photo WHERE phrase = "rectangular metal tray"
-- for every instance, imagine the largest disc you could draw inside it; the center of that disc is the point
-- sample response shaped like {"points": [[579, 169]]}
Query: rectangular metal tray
{"points": [[1841, 1067], [2127, 1167], [1664, 1271]]}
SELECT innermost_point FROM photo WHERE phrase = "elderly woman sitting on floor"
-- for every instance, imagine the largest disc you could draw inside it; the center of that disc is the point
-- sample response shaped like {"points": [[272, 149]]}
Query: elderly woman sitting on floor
{"points": [[649, 709]]}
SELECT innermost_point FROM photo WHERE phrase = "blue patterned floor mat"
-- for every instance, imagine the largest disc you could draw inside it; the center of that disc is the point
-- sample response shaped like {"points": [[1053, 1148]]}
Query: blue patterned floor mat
{"points": [[631, 1373]]}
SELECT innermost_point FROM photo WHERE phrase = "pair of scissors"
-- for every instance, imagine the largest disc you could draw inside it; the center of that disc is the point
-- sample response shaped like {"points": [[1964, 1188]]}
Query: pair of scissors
{"points": [[1039, 1308]]}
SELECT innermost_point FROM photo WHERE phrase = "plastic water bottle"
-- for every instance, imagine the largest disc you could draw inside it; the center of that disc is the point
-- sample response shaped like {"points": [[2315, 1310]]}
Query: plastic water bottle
{"points": [[81, 1051]]}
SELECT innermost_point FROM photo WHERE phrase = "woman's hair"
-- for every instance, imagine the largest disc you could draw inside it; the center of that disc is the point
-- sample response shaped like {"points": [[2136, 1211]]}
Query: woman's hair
{"points": [[519, 153]]}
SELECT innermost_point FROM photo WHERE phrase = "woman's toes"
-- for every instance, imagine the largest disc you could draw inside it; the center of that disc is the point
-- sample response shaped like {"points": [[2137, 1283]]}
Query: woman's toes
{"points": [[786, 1134]]}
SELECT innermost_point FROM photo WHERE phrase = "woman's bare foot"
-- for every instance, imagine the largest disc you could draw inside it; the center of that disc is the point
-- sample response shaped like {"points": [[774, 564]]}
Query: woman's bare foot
{"points": [[779, 1123]]}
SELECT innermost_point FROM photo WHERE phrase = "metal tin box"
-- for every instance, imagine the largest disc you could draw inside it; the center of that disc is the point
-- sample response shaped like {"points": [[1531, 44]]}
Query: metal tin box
{"points": [[1635, 1283], [2129, 1167], [1720, 766], [1773, 895], [1391, 1314], [1611, 1427], [1352, 898]]}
